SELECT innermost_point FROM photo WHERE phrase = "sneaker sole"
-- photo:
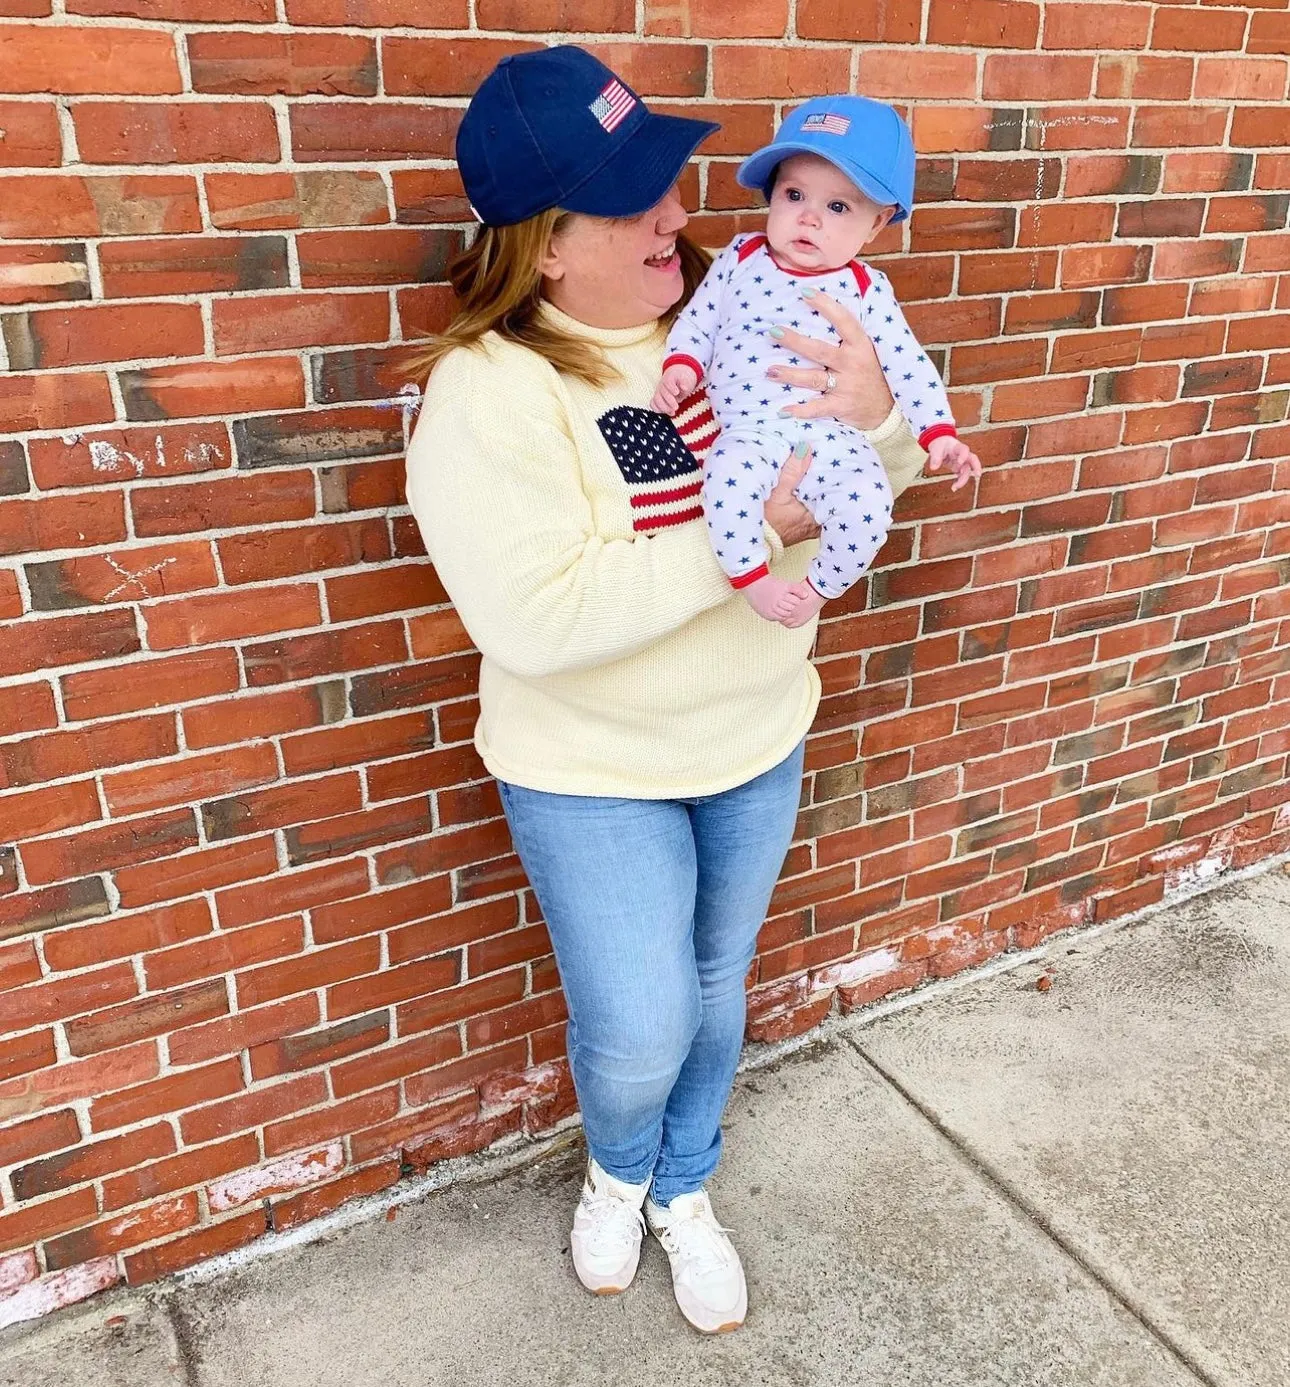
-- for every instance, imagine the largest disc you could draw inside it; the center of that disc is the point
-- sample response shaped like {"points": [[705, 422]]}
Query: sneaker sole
{"points": [[614, 1284], [605, 1290], [727, 1327]]}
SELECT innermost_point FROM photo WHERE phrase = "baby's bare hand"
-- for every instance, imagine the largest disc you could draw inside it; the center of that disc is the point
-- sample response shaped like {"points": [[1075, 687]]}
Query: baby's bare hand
{"points": [[678, 382], [665, 399], [957, 457]]}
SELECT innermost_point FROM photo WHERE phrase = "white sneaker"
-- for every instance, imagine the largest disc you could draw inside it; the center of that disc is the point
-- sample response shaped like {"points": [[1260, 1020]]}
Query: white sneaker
{"points": [[707, 1275], [607, 1230]]}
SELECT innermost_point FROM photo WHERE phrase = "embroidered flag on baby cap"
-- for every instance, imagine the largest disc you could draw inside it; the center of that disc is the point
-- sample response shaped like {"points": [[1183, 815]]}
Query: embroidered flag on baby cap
{"points": [[823, 122], [612, 105]]}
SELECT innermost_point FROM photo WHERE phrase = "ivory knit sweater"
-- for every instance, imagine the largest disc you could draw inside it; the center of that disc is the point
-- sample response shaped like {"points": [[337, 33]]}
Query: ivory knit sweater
{"points": [[563, 521]]}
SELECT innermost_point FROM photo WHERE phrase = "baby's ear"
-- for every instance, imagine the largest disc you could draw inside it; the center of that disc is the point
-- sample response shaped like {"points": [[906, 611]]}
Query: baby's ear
{"points": [[885, 215]]}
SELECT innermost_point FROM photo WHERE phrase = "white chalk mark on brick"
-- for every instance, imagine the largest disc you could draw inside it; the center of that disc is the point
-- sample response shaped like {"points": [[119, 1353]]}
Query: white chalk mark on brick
{"points": [[506, 1091], [854, 970], [133, 578], [1188, 877], [1075, 120], [287, 1174], [406, 399], [107, 457], [58, 1289], [201, 454], [16, 1270]]}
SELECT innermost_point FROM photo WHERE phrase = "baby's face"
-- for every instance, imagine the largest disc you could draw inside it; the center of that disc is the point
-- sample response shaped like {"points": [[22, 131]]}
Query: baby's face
{"points": [[818, 218]]}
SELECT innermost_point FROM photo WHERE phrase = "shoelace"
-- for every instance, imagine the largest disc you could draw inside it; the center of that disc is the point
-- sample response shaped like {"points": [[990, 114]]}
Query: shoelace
{"points": [[612, 1219], [700, 1240]]}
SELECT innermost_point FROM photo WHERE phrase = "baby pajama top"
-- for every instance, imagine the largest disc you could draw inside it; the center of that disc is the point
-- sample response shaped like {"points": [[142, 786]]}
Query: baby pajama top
{"points": [[724, 334]]}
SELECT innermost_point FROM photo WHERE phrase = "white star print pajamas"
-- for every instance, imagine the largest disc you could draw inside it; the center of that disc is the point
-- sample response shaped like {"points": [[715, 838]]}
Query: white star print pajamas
{"points": [[724, 334]]}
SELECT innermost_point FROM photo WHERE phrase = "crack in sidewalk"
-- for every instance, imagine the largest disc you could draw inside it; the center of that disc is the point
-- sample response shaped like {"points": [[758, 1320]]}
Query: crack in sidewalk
{"points": [[182, 1344], [1011, 1192]]}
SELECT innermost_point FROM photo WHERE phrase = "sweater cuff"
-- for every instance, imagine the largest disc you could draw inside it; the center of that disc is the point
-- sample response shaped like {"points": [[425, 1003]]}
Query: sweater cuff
{"points": [[773, 541], [887, 431]]}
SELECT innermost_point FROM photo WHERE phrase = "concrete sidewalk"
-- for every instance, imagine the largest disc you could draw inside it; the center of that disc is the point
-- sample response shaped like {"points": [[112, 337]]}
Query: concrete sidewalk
{"points": [[1000, 1185]]}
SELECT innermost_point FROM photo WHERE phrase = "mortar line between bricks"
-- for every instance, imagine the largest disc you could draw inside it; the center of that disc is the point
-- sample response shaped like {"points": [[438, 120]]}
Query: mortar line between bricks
{"points": [[1013, 1195]]}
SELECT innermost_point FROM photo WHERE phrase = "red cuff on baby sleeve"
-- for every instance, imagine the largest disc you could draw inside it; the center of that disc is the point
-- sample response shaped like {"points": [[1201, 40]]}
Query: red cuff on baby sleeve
{"points": [[936, 431], [684, 359], [747, 579]]}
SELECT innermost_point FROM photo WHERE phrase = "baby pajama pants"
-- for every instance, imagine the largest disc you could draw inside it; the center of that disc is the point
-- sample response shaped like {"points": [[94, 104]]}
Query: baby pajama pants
{"points": [[846, 490]]}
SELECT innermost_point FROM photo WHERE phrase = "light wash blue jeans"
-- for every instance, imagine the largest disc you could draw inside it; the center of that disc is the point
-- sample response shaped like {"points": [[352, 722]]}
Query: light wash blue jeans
{"points": [[654, 908]]}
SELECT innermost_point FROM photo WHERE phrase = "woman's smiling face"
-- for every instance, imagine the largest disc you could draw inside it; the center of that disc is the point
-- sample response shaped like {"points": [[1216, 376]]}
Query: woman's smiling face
{"points": [[616, 272], [818, 218]]}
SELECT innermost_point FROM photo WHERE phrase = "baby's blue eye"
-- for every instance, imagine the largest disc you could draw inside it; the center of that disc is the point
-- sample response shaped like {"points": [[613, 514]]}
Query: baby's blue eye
{"points": [[838, 207]]}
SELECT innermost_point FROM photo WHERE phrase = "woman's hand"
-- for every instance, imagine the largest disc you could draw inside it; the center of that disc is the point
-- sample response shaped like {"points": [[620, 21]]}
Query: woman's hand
{"points": [[859, 395], [785, 514]]}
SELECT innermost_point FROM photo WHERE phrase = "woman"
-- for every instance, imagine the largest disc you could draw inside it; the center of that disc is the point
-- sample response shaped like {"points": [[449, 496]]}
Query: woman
{"points": [[645, 726]]}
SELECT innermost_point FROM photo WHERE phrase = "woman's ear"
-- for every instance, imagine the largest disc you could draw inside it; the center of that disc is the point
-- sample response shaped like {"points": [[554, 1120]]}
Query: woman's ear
{"points": [[551, 265]]}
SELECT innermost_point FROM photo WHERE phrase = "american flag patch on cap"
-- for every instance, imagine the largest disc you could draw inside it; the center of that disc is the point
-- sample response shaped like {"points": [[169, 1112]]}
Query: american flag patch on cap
{"points": [[828, 124], [612, 105]]}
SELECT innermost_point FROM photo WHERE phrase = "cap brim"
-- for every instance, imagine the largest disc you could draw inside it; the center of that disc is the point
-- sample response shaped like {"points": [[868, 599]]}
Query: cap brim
{"points": [[755, 172], [638, 174]]}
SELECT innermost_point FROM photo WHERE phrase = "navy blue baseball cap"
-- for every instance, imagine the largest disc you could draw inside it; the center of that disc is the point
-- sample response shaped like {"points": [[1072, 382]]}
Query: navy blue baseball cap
{"points": [[556, 128], [866, 139]]}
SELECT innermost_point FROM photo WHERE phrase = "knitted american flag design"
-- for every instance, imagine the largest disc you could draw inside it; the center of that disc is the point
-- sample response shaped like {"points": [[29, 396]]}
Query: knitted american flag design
{"points": [[661, 459]]}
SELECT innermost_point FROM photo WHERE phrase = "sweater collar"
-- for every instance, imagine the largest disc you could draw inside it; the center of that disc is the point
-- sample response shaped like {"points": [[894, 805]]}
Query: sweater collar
{"points": [[604, 336]]}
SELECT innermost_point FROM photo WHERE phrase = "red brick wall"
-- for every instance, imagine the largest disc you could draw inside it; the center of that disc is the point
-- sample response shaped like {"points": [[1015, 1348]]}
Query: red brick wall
{"points": [[262, 941]]}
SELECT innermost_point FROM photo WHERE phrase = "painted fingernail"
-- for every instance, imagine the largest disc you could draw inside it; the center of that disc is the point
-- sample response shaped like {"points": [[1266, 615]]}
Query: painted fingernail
{"points": [[784, 414], [777, 332], [808, 293], [801, 447]]}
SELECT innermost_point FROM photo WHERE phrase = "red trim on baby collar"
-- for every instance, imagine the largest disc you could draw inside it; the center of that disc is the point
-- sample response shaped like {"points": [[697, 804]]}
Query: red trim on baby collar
{"points": [[862, 275], [748, 579], [936, 431]]}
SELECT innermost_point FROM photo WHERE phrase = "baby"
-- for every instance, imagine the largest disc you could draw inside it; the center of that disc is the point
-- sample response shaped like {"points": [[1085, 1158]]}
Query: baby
{"points": [[838, 171]]}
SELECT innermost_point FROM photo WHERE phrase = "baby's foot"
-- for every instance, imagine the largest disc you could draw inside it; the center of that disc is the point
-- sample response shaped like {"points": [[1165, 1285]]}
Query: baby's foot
{"points": [[771, 598], [806, 603]]}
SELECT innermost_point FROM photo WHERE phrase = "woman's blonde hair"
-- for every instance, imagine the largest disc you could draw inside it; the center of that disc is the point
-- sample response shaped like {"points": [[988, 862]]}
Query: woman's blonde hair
{"points": [[498, 283]]}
